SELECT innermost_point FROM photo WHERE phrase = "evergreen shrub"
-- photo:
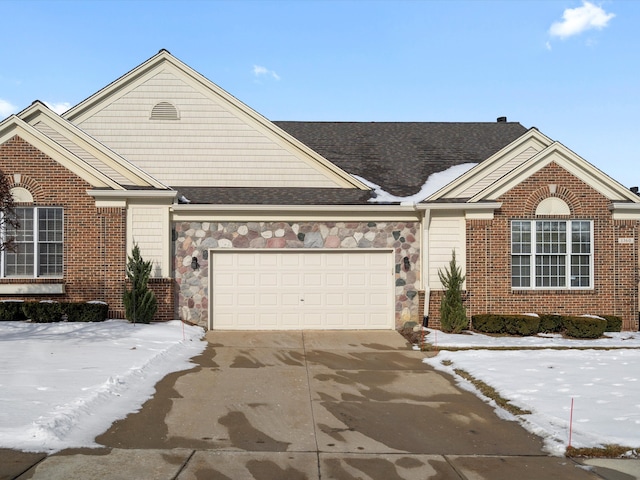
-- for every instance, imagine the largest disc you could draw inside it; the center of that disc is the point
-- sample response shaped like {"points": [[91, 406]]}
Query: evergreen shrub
{"points": [[614, 323], [85, 311], [584, 327], [453, 315], [522, 325], [42, 312], [488, 323], [550, 323], [140, 304], [11, 310]]}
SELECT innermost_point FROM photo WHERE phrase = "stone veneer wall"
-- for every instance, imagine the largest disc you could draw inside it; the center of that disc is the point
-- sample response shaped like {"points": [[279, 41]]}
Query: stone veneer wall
{"points": [[197, 238]]}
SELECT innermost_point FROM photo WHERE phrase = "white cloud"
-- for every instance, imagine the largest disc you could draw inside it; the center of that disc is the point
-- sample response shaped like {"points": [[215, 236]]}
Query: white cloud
{"points": [[59, 107], [260, 71], [6, 108], [578, 20]]}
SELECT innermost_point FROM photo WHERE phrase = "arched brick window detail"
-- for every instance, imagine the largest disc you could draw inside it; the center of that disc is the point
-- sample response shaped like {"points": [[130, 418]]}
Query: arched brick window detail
{"points": [[556, 191], [24, 181]]}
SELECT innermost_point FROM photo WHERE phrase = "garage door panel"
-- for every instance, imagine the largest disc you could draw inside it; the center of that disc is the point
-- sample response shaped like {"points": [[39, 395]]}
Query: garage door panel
{"points": [[294, 289]]}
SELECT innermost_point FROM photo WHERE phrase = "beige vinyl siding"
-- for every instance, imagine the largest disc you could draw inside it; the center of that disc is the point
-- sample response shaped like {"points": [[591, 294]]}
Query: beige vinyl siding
{"points": [[446, 232], [500, 169], [82, 154], [148, 227], [209, 145]]}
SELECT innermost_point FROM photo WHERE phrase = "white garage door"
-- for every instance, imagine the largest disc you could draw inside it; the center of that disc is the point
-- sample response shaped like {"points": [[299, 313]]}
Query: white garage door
{"points": [[295, 289]]}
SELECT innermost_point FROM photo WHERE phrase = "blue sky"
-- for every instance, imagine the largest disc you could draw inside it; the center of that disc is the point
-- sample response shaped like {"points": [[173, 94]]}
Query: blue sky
{"points": [[571, 68]]}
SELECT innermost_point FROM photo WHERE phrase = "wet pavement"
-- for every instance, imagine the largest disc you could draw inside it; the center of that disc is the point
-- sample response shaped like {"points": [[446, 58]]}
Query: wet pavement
{"points": [[310, 405]]}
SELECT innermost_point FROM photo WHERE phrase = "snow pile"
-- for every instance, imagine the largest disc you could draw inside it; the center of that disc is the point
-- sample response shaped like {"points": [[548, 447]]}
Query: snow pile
{"points": [[62, 384], [604, 385], [434, 183]]}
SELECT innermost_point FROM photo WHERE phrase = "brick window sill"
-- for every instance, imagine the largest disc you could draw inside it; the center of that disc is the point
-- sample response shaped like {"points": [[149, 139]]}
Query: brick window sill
{"points": [[24, 288]]}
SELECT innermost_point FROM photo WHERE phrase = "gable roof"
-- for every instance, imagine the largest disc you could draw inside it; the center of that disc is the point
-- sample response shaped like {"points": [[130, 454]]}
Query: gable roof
{"points": [[400, 156], [73, 139], [212, 140], [519, 160]]}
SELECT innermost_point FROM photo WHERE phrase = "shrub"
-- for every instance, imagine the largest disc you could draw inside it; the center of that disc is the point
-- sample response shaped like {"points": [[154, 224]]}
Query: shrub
{"points": [[614, 323], [488, 323], [584, 327], [521, 324], [140, 304], [11, 310], [85, 312], [453, 315], [42, 312], [550, 323]]}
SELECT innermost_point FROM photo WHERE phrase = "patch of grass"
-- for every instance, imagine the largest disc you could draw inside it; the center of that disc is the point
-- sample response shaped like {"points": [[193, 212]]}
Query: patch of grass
{"points": [[608, 451], [488, 391]]}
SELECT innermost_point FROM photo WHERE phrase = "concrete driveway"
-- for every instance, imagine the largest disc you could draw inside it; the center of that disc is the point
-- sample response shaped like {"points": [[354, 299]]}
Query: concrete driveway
{"points": [[309, 405]]}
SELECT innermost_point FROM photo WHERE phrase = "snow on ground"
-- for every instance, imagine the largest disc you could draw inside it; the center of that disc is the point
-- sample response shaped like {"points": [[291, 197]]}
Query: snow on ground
{"points": [[603, 381], [62, 384]]}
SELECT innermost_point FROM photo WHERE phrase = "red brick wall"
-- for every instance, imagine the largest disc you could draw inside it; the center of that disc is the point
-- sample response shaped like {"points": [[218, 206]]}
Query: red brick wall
{"points": [[488, 259], [94, 239]]}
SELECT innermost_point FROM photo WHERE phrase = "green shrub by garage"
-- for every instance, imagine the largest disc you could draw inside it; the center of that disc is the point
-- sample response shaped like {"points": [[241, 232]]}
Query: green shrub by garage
{"points": [[584, 327], [11, 310]]}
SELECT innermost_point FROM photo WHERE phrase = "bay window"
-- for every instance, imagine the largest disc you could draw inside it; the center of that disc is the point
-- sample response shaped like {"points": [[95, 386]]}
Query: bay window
{"points": [[548, 254], [37, 244]]}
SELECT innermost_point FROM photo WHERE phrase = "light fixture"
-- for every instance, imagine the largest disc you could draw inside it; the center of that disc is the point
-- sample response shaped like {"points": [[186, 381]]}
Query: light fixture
{"points": [[194, 263], [407, 264]]}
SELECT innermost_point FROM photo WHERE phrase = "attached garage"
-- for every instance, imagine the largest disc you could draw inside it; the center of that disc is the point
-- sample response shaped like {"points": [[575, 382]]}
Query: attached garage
{"points": [[301, 289]]}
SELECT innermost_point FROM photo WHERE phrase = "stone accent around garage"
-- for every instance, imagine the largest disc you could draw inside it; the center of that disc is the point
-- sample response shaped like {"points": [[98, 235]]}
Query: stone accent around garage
{"points": [[195, 239]]}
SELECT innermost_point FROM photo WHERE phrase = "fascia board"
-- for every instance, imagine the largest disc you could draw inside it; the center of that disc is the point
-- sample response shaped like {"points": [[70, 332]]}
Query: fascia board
{"points": [[58, 153], [625, 211], [570, 161], [37, 113], [533, 137], [184, 212], [165, 60], [164, 195], [460, 206]]}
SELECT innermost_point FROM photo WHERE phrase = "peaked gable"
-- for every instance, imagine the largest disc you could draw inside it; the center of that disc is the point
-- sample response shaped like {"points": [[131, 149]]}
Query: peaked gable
{"points": [[68, 136], [186, 131], [13, 126], [520, 159]]}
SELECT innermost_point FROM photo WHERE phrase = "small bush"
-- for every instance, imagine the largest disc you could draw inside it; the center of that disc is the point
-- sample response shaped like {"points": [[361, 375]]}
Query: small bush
{"points": [[522, 325], [488, 323], [584, 327], [11, 310], [85, 312], [614, 323], [550, 323], [42, 312]]}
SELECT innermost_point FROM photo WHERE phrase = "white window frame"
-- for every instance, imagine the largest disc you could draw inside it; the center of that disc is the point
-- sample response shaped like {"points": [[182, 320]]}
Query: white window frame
{"points": [[533, 254], [35, 241]]}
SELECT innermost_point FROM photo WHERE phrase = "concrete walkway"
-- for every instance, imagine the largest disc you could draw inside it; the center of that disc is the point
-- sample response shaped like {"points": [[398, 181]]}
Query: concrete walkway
{"points": [[309, 405]]}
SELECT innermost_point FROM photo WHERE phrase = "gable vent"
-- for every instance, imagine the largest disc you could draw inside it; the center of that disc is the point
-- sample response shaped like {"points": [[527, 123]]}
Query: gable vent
{"points": [[164, 111]]}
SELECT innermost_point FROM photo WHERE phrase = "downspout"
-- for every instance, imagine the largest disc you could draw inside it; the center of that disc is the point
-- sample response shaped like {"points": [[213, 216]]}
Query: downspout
{"points": [[424, 278]]}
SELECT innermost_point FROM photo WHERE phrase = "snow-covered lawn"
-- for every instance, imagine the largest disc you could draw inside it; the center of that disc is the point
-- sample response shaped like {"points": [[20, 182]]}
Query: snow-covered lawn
{"points": [[603, 384], [62, 384]]}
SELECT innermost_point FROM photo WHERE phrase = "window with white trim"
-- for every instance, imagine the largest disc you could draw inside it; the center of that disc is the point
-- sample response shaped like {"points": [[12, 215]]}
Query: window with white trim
{"points": [[37, 244], [547, 254]]}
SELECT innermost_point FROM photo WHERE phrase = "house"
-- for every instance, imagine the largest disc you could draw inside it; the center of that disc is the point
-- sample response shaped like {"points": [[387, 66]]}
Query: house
{"points": [[254, 224]]}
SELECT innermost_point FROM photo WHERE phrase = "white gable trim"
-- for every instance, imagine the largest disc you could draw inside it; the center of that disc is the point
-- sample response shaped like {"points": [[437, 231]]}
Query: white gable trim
{"points": [[566, 159], [165, 61], [13, 126], [456, 189], [38, 112]]}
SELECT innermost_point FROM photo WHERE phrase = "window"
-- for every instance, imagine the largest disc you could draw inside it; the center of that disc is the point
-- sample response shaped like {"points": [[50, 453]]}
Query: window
{"points": [[551, 254], [38, 244]]}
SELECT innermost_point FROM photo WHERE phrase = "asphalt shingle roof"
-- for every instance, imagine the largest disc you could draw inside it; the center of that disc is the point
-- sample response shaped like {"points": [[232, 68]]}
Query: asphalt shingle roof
{"points": [[400, 156], [274, 196]]}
